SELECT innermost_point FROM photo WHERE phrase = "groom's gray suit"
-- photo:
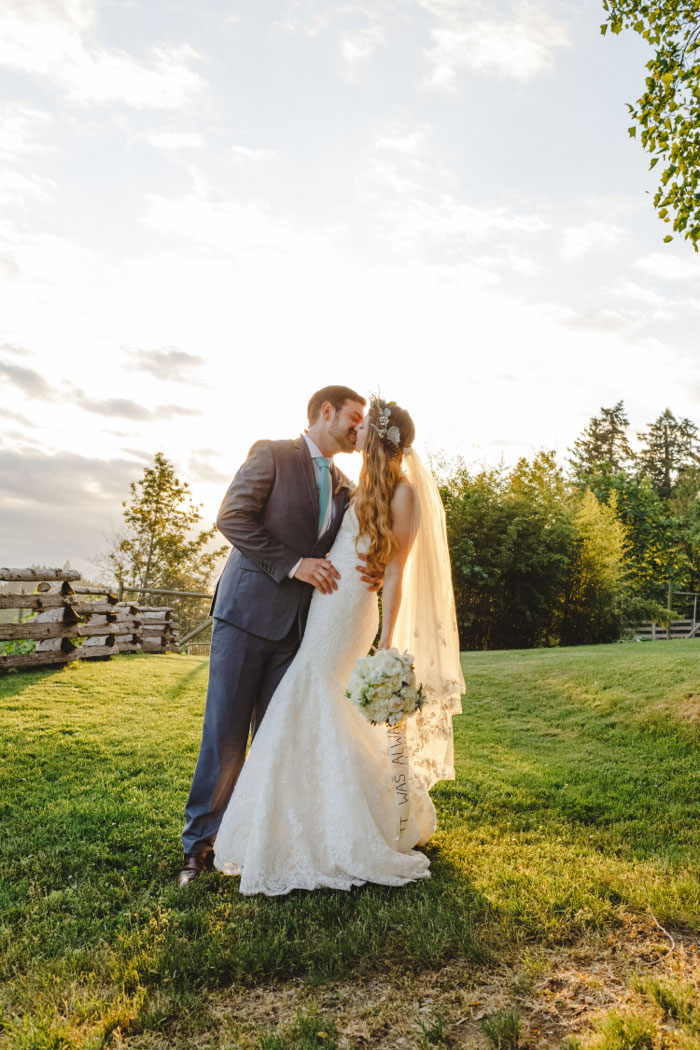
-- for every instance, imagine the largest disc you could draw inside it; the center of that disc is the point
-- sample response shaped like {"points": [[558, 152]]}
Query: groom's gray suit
{"points": [[271, 516]]}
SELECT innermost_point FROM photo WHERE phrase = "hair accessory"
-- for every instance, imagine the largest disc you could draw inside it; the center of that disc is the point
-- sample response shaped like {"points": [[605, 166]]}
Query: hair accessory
{"points": [[383, 411]]}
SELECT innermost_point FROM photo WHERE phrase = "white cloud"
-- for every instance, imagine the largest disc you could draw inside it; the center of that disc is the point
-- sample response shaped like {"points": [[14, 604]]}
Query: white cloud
{"points": [[410, 144], [579, 240], [54, 38], [234, 229], [167, 82], [23, 129], [23, 133], [174, 140], [668, 267], [16, 188], [656, 305], [406, 203], [469, 35], [245, 153], [357, 46]]}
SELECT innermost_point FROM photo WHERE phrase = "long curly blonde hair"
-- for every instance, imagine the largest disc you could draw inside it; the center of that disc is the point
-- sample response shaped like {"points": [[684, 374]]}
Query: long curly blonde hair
{"points": [[380, 475]]}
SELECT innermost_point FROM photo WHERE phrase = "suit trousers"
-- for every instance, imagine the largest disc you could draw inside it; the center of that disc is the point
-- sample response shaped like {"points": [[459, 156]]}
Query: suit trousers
{"points": [[244, 671]]}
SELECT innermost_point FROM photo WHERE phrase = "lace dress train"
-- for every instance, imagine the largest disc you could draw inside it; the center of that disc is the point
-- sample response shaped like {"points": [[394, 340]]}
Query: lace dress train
{"points": [[315, 805]]}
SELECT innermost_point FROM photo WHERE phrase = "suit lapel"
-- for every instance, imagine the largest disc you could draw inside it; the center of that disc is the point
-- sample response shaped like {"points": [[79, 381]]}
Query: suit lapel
{"points": [[308, 472], [340, 496], [340, 499]]}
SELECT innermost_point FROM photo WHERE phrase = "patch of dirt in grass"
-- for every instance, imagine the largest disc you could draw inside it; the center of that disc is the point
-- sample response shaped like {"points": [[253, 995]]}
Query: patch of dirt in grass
{"points": [[684, 708], [556, 992], [687, 709]]}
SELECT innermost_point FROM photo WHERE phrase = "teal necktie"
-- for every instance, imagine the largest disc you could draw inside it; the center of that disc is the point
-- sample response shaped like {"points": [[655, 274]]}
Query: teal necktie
{"points": [[323, 467]]}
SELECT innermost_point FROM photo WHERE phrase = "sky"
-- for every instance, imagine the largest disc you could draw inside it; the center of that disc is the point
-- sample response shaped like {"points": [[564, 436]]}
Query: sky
{"points": [[210, 210]]}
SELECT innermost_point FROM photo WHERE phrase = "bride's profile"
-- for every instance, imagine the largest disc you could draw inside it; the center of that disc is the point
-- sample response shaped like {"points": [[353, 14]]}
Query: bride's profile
{"points": [[315, 804]]}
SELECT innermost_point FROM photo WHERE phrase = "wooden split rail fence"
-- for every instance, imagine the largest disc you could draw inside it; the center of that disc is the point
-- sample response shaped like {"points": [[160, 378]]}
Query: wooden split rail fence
{"points": [[73, 622], [677, 629]]}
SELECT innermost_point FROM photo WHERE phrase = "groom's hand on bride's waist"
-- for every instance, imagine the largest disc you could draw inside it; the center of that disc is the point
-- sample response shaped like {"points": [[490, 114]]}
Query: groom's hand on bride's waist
{"points": [[374, 578], [320, 573]]}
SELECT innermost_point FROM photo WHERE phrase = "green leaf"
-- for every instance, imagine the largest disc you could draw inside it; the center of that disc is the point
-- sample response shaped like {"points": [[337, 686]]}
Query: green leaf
{"points": [[667, 238]]}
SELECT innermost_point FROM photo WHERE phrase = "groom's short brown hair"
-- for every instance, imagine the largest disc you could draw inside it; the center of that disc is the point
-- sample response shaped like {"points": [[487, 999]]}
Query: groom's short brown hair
{"points": [[337, 395]]}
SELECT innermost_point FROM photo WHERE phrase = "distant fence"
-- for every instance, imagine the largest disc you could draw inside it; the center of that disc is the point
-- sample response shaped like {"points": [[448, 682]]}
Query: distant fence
{"points": [[68, 622], [654, 632], [198, 648]]}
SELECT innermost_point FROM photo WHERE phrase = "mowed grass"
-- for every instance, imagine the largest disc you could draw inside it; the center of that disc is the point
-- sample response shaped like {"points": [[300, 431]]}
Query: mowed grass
{"points": [[577, 800]]}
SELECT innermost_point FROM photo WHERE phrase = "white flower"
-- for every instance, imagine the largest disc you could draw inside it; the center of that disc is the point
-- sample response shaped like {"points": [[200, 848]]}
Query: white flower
{"points": [[383, 686]]}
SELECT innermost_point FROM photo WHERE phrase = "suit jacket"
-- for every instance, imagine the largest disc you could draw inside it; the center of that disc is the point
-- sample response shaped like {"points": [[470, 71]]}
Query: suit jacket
{"points": [[270, 515]]}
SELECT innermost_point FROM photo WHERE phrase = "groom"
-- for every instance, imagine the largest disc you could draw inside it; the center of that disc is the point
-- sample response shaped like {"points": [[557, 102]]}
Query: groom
{"points": [[282, 512]]}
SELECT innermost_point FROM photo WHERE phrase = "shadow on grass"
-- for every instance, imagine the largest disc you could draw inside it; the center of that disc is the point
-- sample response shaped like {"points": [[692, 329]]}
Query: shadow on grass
{"points": [[180, 689], [88, 886], [13, 683], [212, 935], [152, 967]]}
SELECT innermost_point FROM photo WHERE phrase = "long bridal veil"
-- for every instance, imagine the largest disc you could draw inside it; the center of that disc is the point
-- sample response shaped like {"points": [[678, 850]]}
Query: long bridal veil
{"points": [[427, 627]]}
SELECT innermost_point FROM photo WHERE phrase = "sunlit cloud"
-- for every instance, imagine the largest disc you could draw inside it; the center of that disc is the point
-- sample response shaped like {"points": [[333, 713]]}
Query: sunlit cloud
{"points": [[520, 44], [356, 47], [174, 140], [669, 267], [580, 240], [398, 189], [245, 153], [55, 39], [23, 129]]}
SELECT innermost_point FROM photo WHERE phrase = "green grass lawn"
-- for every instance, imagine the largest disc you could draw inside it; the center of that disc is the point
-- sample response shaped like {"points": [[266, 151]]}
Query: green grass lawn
{"points": [[576, 808]]}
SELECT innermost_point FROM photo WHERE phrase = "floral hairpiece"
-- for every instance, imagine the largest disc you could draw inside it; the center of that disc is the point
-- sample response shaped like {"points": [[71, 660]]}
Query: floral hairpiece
{"points": [[383, 411]]}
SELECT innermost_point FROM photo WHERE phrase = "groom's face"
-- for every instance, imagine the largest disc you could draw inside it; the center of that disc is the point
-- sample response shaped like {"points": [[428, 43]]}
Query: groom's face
{"points": [[343, 425]]}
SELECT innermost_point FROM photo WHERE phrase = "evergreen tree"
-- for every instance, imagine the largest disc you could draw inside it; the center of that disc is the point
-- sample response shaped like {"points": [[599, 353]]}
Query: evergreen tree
{"points": [[160, 547], [603, 447], [670, 446]]}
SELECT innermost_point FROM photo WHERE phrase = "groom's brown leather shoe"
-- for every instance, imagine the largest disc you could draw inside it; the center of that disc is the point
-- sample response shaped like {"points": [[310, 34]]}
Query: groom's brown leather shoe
{"points": [[193, 866]]}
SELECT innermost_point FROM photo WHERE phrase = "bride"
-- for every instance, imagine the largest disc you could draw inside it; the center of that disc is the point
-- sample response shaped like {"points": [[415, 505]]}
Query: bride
{"points": [[315, 804]]}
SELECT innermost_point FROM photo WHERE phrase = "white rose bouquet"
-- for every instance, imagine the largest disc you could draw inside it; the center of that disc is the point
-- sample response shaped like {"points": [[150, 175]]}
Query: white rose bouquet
{"points": [[384, 688]]}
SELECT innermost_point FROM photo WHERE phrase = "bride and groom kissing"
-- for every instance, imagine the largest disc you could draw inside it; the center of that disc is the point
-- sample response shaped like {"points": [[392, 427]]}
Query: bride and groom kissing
{"points": [[314, 804]]}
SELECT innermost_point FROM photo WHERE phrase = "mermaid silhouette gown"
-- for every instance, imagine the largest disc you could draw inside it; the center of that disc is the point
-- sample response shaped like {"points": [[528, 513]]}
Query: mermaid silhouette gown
{"points": [[314, 805]]}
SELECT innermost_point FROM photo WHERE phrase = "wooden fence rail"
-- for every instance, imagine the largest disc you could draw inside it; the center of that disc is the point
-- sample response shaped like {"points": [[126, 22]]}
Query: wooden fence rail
{"points": [[676, 629], [34, 575], [65, 626]]}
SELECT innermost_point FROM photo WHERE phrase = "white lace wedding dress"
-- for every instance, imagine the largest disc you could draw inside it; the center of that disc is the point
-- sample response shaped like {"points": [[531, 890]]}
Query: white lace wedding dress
{"points": [[315, 804]]}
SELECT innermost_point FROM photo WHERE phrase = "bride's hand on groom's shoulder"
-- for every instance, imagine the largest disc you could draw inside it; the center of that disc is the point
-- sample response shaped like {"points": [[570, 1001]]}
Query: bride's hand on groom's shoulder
{"points": [[373, 578], [320, 573]]}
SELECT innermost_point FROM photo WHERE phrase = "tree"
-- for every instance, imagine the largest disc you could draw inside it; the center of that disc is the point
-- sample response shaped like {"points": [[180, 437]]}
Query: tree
{"points": [[671, 446], [684, 506], [603, 447], [668, 111], [160, 547], [511, 544], [593, 610]]}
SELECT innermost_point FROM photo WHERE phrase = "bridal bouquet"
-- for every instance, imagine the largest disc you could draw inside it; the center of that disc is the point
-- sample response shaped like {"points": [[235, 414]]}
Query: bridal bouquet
{"points": [[384, 688]]}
